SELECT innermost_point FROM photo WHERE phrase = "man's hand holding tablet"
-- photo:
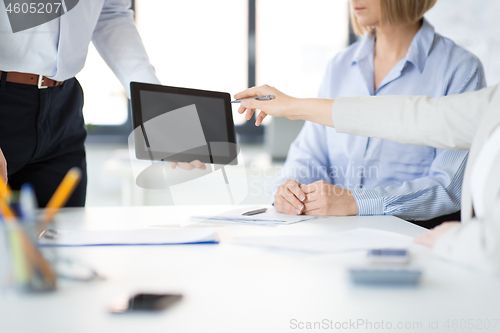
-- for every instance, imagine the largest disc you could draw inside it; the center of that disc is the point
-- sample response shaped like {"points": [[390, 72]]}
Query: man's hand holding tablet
{"points": [[188, 166]]}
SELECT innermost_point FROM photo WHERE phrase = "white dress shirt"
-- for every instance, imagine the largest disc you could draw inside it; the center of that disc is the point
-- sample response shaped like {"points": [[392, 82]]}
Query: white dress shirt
{"points": [[58, 49], [464, 121]]}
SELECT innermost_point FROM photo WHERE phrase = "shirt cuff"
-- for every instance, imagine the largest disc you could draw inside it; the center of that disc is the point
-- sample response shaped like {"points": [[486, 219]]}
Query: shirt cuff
{"points": [[369, 202]]}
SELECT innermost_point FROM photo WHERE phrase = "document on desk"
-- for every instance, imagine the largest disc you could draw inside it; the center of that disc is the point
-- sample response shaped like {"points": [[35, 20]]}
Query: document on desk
{"points": [[130, 237], [270, 217], [344, 241]]}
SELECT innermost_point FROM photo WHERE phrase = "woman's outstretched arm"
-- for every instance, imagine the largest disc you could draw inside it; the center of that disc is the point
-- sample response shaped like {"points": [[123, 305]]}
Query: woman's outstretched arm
{"points": [[448, 122]]}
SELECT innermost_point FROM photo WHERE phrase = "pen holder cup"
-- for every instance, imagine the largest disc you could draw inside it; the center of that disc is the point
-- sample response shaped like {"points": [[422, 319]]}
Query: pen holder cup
{"points": [[22, 265]]}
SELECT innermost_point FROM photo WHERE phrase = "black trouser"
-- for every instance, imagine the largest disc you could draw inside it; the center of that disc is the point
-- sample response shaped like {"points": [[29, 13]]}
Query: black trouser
{"points": [[42, 135]]}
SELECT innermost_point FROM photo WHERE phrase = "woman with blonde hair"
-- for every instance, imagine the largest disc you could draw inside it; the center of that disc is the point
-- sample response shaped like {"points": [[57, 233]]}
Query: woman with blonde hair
{"points": [[329, 173]]}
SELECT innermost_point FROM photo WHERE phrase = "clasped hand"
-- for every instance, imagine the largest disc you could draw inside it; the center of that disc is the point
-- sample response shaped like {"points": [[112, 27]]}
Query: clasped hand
{"points": [[319, 199], [324, 199]]}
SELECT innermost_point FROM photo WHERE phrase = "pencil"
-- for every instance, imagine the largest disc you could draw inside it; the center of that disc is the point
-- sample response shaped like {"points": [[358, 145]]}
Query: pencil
{"points": [[22, 269], [61, 196], [6, 212], [5, 191]]}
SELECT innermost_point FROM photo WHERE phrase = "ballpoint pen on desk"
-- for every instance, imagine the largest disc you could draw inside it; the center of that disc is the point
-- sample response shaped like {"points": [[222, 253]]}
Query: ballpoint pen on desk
{"points": [[259, 98], [59, 198], [255, 212]]}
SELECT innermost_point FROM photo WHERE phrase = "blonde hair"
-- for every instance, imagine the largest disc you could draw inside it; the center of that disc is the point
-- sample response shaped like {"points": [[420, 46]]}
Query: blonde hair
{"points": [[396, 12]]}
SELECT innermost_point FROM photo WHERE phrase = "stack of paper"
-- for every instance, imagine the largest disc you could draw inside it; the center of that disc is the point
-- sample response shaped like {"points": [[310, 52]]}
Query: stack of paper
{"points": [[271, 217], [130, 237], [352, 240]]}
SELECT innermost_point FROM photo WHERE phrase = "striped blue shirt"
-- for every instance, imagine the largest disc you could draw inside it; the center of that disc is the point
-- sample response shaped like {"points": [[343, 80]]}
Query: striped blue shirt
{"points": [[388, 178]]}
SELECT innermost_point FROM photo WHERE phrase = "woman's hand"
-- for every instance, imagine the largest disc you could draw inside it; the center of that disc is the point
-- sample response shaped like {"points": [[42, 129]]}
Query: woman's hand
{"points": [[3, 167], [311, 109], [289, 198], [431, 236], [325, 199], [281, 106]]}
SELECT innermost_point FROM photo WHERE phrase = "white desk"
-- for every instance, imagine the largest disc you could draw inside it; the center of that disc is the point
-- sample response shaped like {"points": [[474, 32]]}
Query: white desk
{"points": [[233, 288]]}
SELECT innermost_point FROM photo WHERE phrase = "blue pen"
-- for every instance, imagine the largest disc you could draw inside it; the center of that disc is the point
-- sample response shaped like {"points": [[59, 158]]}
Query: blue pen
{"points": [[27, 210], [27, 203]]}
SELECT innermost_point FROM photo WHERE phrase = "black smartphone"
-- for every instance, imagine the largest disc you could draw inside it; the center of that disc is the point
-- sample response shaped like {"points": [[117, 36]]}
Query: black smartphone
{"points": [[389, 256], [383, 276], [145, 302]]}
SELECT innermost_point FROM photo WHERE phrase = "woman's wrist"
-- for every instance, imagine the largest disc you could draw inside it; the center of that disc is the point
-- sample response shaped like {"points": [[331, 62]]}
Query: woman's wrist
{"points": [[297, 109], [312, 109]]}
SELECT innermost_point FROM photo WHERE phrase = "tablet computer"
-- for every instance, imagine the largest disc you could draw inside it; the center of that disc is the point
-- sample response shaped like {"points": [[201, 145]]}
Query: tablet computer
{"points": [[182, 125]]}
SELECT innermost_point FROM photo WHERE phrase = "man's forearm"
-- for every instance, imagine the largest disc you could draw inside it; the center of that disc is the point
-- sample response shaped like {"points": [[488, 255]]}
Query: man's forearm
{"points": [[118, 42]]}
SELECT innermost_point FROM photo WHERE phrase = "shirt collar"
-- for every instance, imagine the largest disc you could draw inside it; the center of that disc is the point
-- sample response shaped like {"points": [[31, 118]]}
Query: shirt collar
{"points": [[420, 46], [365, 48]]}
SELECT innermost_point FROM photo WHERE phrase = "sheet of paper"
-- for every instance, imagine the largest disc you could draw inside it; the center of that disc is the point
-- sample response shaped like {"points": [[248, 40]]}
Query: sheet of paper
{"points": [[269, 217], [351, 240], [130, 237]]}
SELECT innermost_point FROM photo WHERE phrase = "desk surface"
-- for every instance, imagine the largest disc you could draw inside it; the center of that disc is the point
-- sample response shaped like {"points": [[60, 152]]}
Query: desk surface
{"points": [[234, 288]]}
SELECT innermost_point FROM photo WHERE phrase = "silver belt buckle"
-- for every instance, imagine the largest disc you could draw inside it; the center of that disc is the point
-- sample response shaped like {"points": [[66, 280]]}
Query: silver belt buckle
{"points": [[40, 81]]}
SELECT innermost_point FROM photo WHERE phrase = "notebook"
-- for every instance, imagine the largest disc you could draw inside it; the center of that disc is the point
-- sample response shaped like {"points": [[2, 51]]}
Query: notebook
{"points": [[129, 237]]}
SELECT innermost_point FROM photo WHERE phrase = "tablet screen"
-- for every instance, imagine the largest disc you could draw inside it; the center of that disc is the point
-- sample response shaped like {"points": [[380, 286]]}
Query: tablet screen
{"points": [[183, 125], [211, 111]]}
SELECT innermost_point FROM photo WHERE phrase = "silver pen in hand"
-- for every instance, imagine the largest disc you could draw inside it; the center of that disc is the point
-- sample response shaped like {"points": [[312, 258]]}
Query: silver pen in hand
{"points": [[259, 98]]}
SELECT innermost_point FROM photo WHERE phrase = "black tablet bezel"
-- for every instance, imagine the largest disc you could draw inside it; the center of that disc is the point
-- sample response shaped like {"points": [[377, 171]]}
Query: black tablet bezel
{"points": [[145, 154]]}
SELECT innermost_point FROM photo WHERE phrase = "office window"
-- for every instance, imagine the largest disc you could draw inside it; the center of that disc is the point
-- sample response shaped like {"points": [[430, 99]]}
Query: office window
{"points": [[204, 44], [105, 98], [295, 40], [475, 26], [197, 43]]}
